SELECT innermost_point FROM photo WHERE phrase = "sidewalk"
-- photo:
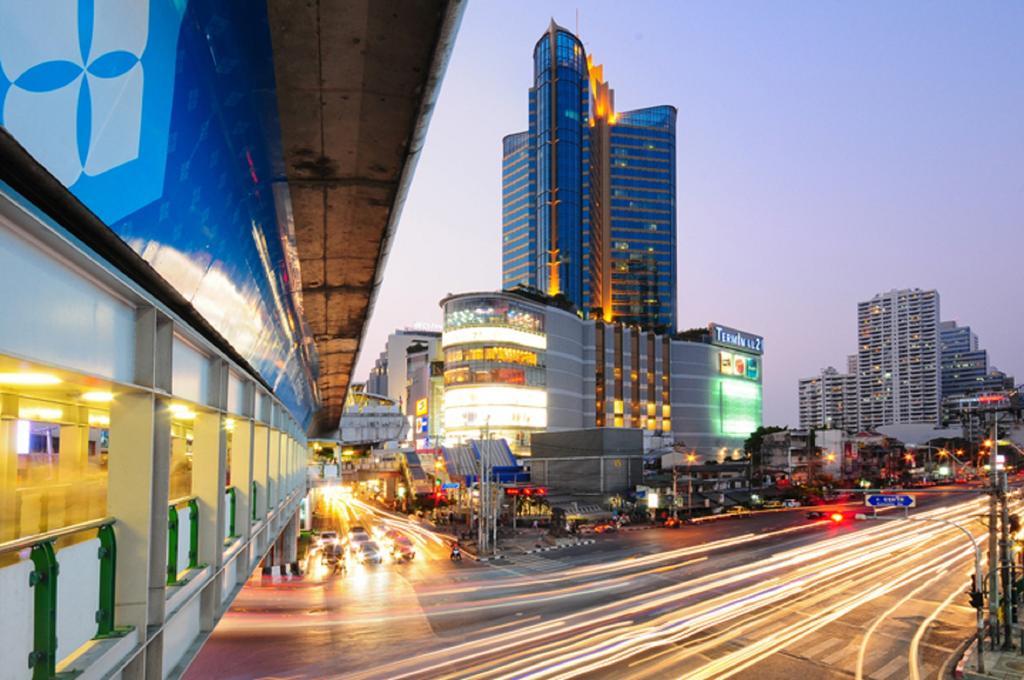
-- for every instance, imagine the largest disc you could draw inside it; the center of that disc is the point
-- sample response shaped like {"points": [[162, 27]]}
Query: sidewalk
{"points": [[999, 665]]}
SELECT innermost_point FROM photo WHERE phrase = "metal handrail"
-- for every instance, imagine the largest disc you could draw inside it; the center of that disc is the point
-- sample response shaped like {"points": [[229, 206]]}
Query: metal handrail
{"points": [[181, 501], [20, 544]]}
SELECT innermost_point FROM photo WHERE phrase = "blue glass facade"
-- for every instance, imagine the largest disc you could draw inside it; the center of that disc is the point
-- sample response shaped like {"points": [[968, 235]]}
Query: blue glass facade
{"points": [[601, 206], [518, 216], [965, 368], [643, 217], [161, 117]]}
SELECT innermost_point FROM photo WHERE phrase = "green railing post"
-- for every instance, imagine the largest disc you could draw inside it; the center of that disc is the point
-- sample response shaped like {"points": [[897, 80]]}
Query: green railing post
{"points": [[193, 534], [232, 506], [172, 545], [252, 499], [43, 659], [108, 570]]}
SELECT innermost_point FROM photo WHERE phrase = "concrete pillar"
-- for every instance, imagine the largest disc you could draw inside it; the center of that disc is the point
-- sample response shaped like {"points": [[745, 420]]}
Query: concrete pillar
{"points": [[9, 468], [78, 493], [208, 463], [261, 438], [138, 464], [241, 474], [274, 477]]}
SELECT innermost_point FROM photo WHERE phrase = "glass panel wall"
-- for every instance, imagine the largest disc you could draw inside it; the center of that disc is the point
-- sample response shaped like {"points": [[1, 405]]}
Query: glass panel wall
{"points": [[54, 438]]}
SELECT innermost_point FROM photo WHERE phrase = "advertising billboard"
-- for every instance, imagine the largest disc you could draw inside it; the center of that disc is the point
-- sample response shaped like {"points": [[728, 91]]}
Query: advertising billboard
{"points": [[160, 116]]}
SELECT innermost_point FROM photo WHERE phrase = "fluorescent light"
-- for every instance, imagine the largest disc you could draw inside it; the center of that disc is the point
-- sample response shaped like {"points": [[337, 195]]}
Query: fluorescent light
{"points": [[23, 431], [99, 420], [182, 412], [98, 397], [40, 413], [28, 379]]}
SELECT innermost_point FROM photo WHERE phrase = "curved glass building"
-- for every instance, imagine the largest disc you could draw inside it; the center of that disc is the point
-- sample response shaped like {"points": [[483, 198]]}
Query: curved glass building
{"points": [[588, 193], [515, 365]]}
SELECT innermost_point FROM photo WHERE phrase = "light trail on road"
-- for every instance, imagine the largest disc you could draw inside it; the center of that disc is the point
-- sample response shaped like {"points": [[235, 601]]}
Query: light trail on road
{"points": [[830, 578]]}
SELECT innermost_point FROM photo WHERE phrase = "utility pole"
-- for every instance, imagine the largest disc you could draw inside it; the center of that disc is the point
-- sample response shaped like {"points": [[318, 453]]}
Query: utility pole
{"points": [[480, 507], [993, 555], [675, 495], [1006, 562], [993, 575]]}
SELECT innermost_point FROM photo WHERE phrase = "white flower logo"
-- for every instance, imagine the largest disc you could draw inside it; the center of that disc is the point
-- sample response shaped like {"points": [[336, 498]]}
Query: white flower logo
{"points": [[76, 81]]}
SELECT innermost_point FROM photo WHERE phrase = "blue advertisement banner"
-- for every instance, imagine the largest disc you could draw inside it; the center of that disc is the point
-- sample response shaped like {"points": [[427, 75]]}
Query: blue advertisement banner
{"points": [[161, 117]]}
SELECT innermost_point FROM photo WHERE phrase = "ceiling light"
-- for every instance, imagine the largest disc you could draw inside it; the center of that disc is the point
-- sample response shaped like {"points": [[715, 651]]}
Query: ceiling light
{"points": [[40, 413], [29, 379], [98, 397]]}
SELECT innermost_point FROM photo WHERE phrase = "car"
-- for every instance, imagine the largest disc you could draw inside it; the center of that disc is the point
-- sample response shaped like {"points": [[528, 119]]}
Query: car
{"points": [[332, 553], [605, 527], [769, 505], [791, 503], [327, 537], [736, 510], [402, 549], [672, 523], [358, 533], [369, 551]]}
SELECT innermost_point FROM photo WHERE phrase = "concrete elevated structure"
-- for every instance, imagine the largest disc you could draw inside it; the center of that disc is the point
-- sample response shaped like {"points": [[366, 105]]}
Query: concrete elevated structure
{"points": [[187, 287]]}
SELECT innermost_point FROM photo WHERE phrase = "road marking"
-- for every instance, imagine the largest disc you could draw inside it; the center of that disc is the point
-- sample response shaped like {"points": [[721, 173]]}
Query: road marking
{"points": [[884, 616], [832, 658], [890, 669], [823, 645], [916, 642]]}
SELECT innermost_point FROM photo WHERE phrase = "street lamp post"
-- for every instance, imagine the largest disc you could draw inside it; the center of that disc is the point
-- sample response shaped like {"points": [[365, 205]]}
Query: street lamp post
{"points": [[977, 569], [690, 458]]}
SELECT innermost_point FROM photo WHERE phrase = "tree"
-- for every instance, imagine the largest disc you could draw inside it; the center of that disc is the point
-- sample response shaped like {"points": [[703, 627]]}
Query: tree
{"points": [[693, 335]]}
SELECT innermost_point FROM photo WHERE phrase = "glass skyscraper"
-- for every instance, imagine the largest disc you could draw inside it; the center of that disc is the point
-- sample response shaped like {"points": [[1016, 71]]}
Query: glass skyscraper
{"points": [[588, 207]]}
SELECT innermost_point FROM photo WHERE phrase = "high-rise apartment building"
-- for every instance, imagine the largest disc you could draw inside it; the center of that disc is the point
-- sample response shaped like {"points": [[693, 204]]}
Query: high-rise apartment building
{"points": [[588, 193], [829, 400], [899, 358]]}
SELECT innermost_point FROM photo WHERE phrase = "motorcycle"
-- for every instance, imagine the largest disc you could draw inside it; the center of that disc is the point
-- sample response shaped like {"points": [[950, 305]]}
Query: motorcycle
{"points": [[456, 555]]}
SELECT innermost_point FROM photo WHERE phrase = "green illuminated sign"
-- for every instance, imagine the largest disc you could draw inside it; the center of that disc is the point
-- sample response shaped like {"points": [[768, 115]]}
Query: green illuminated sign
{"points": [[739, 404]]}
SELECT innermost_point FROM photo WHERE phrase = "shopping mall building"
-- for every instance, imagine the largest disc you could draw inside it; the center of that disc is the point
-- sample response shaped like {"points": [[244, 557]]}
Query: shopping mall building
{"points": [[515, 364]]}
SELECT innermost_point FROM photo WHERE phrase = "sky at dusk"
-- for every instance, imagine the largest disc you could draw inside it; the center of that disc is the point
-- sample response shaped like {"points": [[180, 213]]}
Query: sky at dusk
{"points": [[826, 152]]}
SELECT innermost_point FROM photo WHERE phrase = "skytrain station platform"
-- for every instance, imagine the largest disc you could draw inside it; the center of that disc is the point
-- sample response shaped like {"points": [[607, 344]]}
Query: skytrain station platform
{"points": [[196, 204]]}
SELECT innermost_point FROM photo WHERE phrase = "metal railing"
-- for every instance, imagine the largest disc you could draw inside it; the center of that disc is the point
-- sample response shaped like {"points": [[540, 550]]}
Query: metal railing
{"points": [[173, 537], [232, 494], [43, 579]]}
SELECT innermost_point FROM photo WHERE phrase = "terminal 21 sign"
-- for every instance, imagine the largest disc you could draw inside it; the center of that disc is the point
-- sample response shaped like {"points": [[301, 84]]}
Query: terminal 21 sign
{"points": [[730, 337]]}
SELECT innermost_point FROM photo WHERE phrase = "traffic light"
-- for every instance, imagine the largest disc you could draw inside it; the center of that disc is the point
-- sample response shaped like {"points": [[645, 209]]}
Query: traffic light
{"points": [[977, 599], [1014, 523]]}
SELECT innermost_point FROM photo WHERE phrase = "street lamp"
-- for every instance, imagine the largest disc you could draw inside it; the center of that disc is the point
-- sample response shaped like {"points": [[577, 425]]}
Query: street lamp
{"points": [[691, 458]]}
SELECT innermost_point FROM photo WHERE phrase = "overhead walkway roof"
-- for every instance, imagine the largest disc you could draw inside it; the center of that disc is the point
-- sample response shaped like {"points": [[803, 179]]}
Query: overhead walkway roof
{"points": [[357, 81]]}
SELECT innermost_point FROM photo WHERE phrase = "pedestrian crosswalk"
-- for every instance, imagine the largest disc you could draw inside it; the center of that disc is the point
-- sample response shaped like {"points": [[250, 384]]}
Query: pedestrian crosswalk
{"points": [[534, 563]]}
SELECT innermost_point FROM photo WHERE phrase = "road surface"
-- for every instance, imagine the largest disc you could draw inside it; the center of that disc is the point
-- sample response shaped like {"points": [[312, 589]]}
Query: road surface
{"points": [[768, 596]]}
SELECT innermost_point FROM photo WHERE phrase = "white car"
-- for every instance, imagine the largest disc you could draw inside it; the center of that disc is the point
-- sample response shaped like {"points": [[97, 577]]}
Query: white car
{"points": [[368, 551]]}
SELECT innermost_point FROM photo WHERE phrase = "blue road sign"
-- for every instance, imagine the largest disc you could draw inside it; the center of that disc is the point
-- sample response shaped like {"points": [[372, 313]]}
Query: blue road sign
{"points": [[889, 500], [448, 486]]}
